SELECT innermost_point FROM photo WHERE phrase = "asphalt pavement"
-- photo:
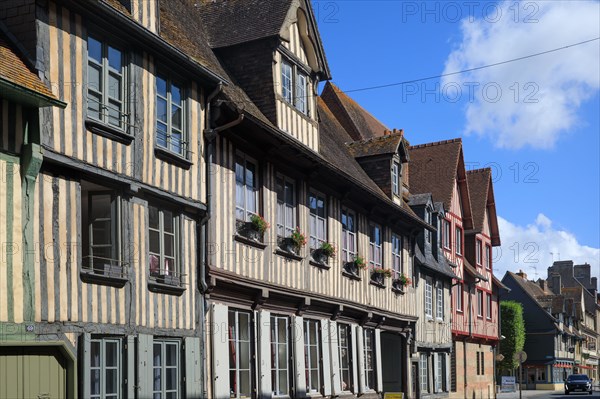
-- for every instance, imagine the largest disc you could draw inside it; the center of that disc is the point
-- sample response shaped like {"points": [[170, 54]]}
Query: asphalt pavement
{"points": [[547, 394]]}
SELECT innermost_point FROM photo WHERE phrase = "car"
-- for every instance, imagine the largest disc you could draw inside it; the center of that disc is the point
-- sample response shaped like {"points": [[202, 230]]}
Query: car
{"points": [[578, 383]]}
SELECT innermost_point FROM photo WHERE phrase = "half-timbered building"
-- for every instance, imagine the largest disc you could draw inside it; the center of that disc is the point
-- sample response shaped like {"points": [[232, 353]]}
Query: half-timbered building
{"points": [[109, 276]]}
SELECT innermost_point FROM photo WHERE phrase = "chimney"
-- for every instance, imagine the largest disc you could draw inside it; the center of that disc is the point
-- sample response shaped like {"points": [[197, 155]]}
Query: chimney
{"points": [[542, 284], [522, 274], [595, 283], [556, 284]]}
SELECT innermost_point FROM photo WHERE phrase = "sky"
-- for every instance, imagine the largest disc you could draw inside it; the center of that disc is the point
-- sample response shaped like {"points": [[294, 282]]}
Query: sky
{"points": [[534, 121]]}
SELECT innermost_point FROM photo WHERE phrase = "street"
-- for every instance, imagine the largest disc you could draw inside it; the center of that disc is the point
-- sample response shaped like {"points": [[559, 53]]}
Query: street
{"points": [[546, 394]]}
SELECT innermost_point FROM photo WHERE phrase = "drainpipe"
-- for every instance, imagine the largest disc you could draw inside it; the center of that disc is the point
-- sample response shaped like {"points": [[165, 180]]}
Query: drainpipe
{"points": [[209, 136]]}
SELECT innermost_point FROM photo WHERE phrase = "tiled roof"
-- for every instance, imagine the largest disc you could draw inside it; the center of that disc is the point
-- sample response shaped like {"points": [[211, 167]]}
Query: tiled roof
{"points": [[359, 123], [433, 169], [472, 271], [231, 22], [387, 144], [479, 182], [428, 261], [13, 70]]}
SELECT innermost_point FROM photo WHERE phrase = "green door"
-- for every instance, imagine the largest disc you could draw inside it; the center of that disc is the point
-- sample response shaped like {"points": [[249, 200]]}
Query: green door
{"points": [[36, 372]]}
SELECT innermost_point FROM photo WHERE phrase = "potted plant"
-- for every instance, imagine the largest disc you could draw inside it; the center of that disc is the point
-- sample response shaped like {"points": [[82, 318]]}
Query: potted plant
{"points": [[378, 274], [353, 266], [254, 229], [401, 281], [294, 242], [324, 252]]}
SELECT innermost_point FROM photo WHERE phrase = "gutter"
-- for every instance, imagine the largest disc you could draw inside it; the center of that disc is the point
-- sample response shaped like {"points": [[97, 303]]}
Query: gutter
{"points": [[40, 99]]}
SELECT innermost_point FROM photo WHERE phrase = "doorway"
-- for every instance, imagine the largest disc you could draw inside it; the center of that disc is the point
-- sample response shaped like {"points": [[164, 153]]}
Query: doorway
{"points": [[392, 362]]}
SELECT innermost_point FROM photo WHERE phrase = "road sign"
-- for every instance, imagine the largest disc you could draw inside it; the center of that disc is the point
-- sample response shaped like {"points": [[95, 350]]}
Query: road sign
{"points": [[509, 384]]}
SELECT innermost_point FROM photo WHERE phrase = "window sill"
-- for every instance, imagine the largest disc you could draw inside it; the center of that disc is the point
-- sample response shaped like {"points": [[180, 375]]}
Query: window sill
{"points": [[171, 157], [289, 255], [437, 319], [480, 317], [351, 276], [377, 284], [320, 265], [162, 288], [398, 291], [107, 131], [459, 311], [101, 279], [429, 319], [247, 241]]}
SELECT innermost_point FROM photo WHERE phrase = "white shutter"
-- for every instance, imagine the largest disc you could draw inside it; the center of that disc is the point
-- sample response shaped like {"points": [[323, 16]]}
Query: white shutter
{"points": [[130, 353], [436, 375], [378, 369], [360, 349], [220, 351], [85, 347], [145, 351], [354, 355], [336, 383], [447, 358], [326, 339], [299, 364], [264, 354], [193, 366]]}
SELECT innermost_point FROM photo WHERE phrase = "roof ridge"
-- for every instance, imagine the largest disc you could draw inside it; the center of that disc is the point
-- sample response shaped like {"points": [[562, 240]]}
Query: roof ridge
{"points": [[376, 138], [435, 143], [480, 170]]}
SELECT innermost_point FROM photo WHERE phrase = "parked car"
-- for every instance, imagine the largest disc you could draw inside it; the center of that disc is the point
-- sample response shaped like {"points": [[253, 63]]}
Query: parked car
{"points": [[578, 383]]}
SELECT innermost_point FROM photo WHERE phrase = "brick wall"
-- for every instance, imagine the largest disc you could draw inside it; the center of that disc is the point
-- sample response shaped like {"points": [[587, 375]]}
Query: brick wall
{"points": [[477, 386]]}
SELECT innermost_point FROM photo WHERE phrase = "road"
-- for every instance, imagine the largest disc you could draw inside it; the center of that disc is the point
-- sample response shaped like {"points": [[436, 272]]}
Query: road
{"points": [[547, 394]]}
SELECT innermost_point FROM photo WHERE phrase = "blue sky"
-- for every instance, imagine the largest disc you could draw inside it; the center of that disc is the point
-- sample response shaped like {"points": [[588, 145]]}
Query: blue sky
{"points": [[539, 116]]}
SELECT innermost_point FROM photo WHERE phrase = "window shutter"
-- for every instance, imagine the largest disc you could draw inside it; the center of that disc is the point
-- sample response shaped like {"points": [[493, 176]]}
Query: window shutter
{"points": [[130, 353], [326, 339], [436, 375], [446, 368], [300, 365], [379, 370], [360, 345], [354, 356], [264, 352], [84, 342], [193, 367], [336, 383], [144, 366], [220, 351]]}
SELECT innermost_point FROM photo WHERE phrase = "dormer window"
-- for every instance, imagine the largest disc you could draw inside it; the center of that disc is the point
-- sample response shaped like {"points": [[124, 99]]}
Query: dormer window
{"points": [[428, 221], [396, 178], [294, 86]]}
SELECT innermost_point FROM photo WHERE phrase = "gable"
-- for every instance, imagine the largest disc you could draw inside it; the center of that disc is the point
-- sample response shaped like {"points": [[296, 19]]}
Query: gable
{"points": [[456, 206], [486, 224]]}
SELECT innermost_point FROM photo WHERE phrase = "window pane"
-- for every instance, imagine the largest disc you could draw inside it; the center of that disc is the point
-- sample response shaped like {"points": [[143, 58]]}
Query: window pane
{"points": [[244, 326], [112, 382], [176, 145], [115, 58], [95, 77], [176, 117], [161, 109], [154, 238], [161, 134], [245, 388], [95, 353], [94, 49], [244, 355], [282, 356], [112, 355], [175, 95], [168, 221], [171, 354], [161, 87], [95, 382], [157, 355], [114, 87], [153, 217], [171, 379]]}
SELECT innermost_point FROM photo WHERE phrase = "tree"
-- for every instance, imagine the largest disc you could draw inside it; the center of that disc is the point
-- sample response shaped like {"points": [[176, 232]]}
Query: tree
{"points": [[513, 329]]}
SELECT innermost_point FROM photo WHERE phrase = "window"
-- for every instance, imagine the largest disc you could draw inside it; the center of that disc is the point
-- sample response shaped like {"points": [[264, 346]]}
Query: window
{"points": [[459, 297], [106, 81], [286, 207], [317, 220], [446, 234], [312, 355], [170, 130], [348, 236], [280, 355], [240, 354], [428, 298], [166, 369], [479, 303], [488, 313], [397, 266], [301, 100], [396, 178], [345, 348], [458, 238], [369, 336], [294, 86], [480, 363], [101, 232], [428, 221], [286, 81], [439, 300], [488, 257], [478, 253], [423, 373], [246, 188], [164, 245], [375, 247], [441, 375], [105, 368]]}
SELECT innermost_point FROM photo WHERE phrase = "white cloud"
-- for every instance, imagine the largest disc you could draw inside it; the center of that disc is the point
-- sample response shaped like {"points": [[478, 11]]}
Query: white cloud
{"points": [[560, 81], [533, 248]]}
